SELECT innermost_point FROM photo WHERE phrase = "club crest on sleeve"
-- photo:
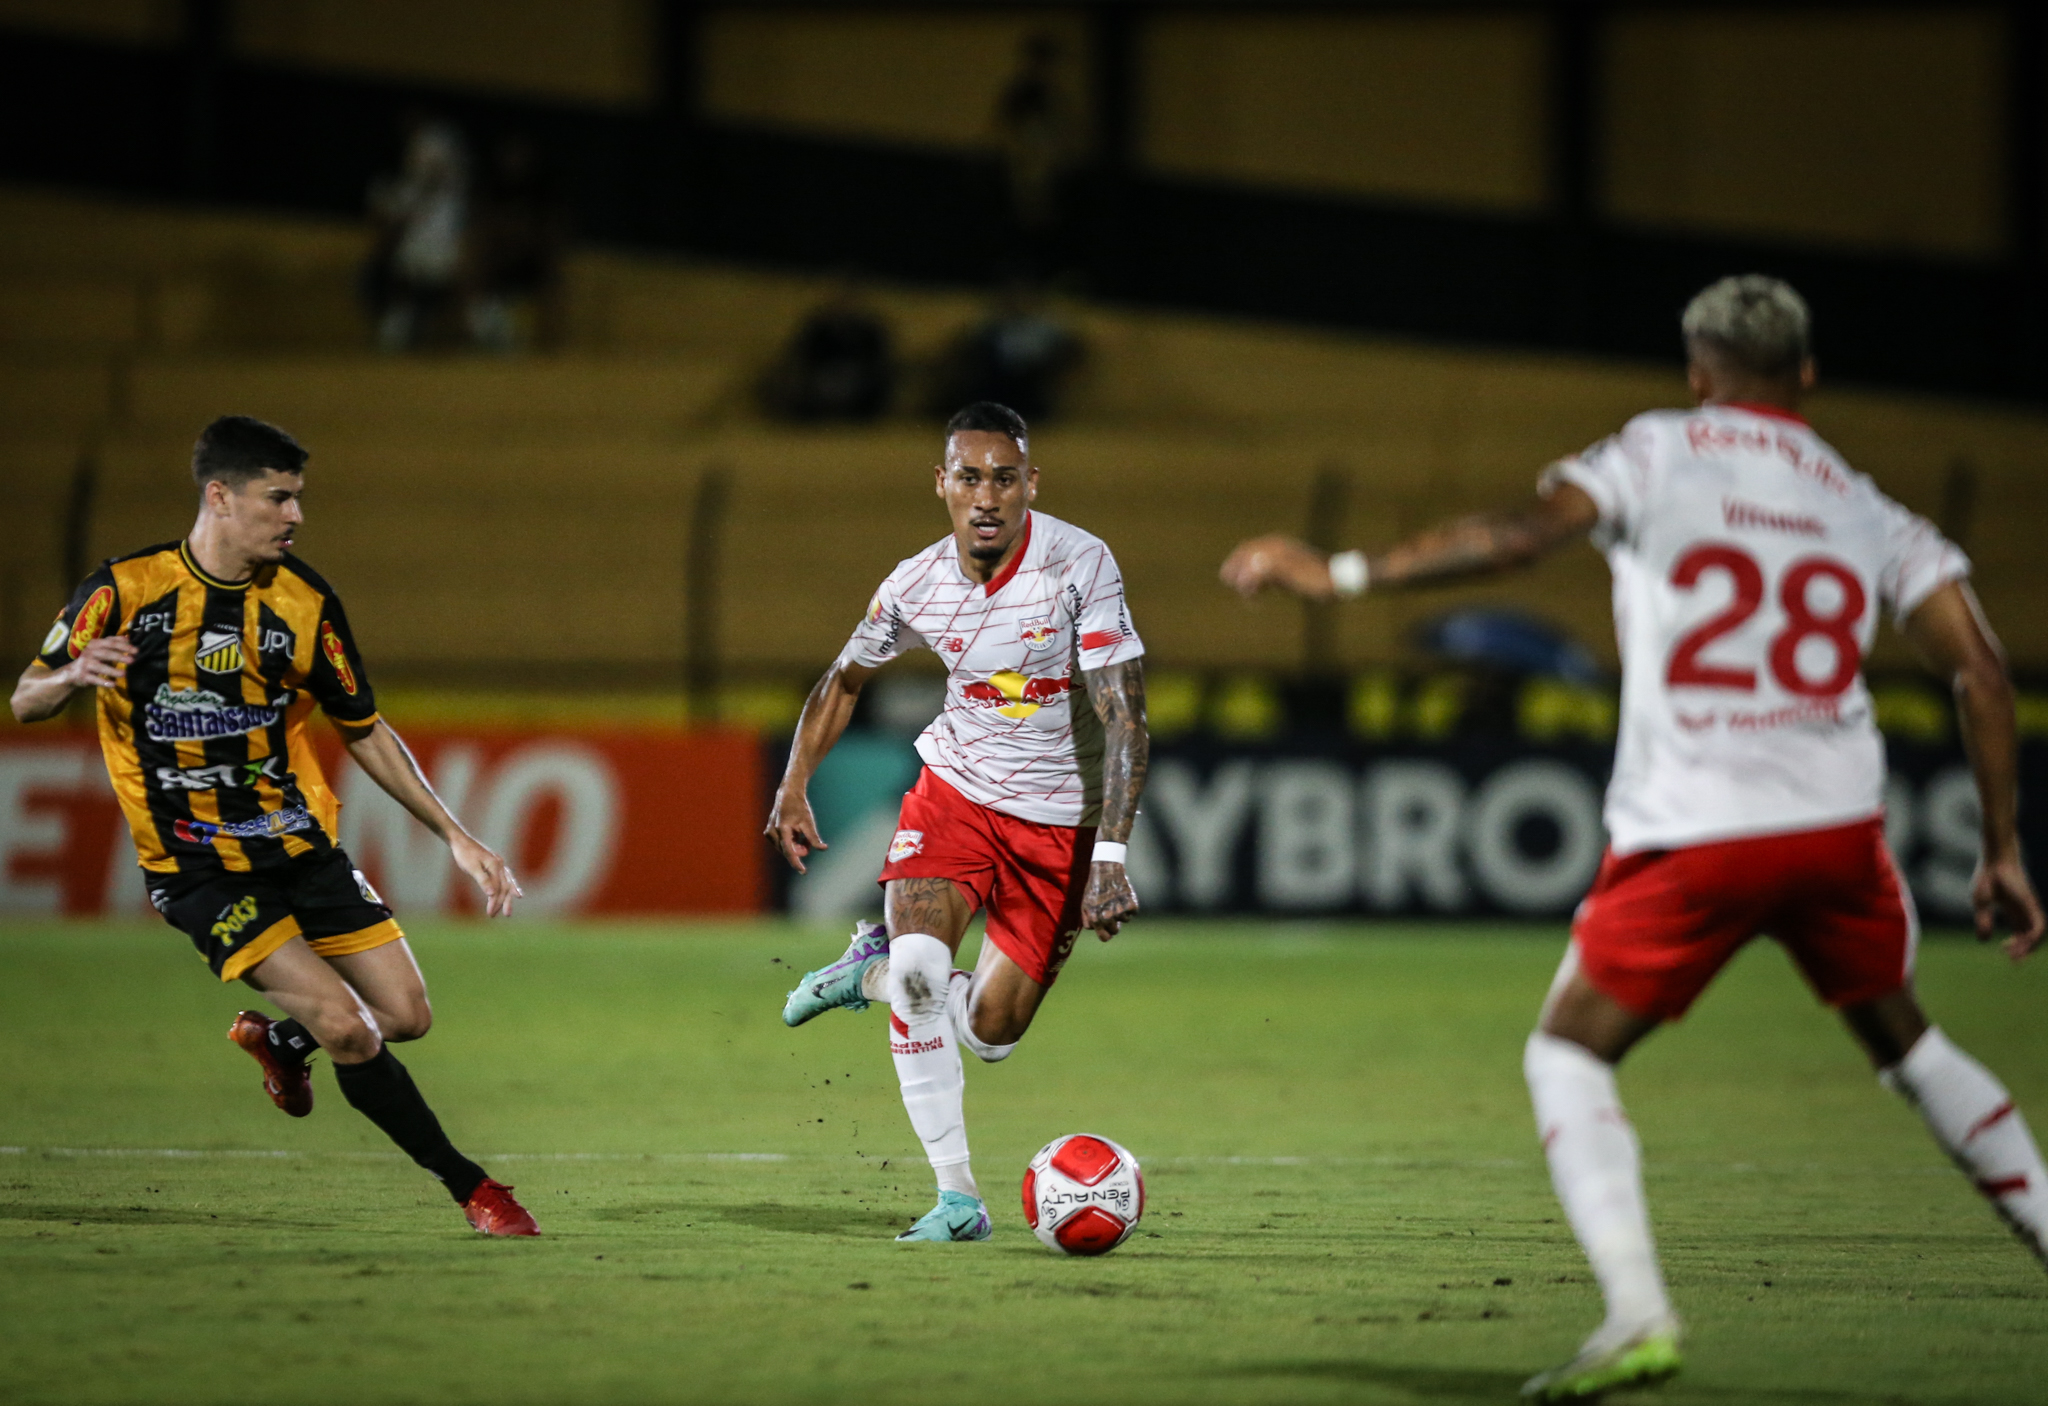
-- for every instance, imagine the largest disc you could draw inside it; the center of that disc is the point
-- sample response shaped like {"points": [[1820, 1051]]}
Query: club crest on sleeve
{"points": [[875, 609], [906, 843], [58, 630]]}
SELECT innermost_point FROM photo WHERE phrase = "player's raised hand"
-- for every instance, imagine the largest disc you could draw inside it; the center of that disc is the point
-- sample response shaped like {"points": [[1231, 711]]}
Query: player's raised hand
{"points": [[1278, 561], [101, 663], [793, 828], [2002, 894], [1110, 901], [491, 873]]}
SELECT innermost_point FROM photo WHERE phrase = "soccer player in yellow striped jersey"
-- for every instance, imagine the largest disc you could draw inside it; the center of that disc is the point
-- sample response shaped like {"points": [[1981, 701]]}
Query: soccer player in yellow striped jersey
{"points": [[209, 657]]}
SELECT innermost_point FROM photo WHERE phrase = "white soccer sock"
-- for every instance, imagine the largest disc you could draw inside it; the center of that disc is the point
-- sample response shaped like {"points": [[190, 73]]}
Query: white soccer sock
{"points": [[1973, 1118], [927, 1056], [962, 1009], [874, 982], [1596, 1166]]}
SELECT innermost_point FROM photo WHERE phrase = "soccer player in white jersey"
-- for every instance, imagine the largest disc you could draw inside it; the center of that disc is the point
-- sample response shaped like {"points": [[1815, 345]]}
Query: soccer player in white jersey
{"points": [[1749, 565], [1031, 780]]}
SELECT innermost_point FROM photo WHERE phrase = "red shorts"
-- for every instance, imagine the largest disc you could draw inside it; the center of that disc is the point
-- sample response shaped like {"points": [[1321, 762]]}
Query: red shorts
{"points": [[1030, 877], [1659, 924]]}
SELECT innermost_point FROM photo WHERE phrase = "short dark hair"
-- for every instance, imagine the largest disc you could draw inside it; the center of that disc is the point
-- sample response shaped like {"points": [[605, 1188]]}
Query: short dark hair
{"points": [[237, 448], [989, 417]]}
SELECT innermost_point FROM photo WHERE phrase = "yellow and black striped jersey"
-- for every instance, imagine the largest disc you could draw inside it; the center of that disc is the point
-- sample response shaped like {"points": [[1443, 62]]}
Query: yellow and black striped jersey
{"points": [[205, 737]]}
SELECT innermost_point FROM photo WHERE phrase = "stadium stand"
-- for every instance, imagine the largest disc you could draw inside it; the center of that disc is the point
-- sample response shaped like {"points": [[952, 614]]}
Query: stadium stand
{"points": [[572, 481]]}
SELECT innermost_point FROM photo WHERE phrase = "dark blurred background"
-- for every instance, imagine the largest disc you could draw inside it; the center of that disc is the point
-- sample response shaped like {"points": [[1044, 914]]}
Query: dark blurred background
{"points": [[620, 330]]}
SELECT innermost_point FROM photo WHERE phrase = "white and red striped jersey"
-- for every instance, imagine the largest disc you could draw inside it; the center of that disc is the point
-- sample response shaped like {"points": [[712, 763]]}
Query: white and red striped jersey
{"points": [[1749, 564], [1012, 736]]}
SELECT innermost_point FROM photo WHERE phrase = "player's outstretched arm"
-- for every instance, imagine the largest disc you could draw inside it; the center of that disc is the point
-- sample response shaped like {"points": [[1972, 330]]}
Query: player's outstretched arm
{"points": [[1118, 693], [826, 713], [386, 759], [1950, 633], [1472, 546], [42, 691]]}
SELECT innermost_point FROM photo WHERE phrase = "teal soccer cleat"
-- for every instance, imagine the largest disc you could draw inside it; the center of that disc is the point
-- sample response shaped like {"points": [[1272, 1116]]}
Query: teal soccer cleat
{"points": [[958, 1216], [838, 984]]}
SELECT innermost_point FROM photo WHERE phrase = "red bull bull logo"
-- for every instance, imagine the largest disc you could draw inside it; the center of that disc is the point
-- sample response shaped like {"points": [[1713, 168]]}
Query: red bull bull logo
{"points": [[1014, 696]]}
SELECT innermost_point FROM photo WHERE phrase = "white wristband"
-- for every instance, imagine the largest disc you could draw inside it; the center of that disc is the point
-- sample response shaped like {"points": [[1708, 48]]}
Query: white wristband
{"points": [[1108, 852], [1347, 573]]}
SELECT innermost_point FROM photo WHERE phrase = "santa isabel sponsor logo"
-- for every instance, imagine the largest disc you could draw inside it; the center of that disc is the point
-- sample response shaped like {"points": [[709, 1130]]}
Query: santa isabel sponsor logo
{"points": [[195, 714]]}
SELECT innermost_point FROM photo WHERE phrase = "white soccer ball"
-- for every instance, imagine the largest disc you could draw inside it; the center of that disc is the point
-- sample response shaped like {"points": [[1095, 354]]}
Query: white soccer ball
{"points": [[1083, 1194]]}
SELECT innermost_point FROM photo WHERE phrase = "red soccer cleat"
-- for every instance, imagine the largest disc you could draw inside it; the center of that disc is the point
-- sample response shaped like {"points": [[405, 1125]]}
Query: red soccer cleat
{"points": [[492, 1211], [287, 1082]]}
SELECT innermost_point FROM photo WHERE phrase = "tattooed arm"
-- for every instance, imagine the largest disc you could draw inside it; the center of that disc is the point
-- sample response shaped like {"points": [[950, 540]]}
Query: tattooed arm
{"points": [[1472, 546], [1118, 694]]}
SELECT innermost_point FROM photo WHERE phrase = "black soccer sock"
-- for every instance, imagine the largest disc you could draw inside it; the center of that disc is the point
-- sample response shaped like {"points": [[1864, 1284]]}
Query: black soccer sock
{"points": [[382, 1091], [291, 1040]]}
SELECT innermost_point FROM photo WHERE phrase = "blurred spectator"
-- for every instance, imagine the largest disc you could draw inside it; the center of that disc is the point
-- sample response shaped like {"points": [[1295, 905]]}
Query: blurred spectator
{"points": [[839, 364], [1035, 129], [1020, 356], [416, 266], [518, 233]]}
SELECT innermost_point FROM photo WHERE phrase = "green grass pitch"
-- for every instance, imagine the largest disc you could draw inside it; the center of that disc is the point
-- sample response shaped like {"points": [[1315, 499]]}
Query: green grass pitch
{"points": [[1347, 1204]]}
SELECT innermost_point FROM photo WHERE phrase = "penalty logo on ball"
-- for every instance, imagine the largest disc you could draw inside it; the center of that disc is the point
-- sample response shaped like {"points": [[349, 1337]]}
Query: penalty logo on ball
{"points": [[1083, 1195]]}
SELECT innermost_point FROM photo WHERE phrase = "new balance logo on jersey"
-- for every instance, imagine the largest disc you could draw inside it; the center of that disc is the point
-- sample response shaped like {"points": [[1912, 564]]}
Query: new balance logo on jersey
{"points": [[220, 651]]}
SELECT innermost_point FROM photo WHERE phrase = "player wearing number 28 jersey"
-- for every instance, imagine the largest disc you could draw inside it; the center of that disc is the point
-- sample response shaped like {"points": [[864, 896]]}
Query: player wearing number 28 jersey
{"points": [[1750, 566]]}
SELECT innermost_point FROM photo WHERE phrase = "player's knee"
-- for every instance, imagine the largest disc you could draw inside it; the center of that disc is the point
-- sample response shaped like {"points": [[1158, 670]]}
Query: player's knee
{"points": [[408, 1022], [920, 975], [348, 1035], [996, 1032]]}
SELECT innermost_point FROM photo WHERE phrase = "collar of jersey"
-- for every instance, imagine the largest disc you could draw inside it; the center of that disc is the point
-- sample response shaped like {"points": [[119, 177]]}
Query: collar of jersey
{"points": [[192, 565], [1769, 412], [1002, 578]]}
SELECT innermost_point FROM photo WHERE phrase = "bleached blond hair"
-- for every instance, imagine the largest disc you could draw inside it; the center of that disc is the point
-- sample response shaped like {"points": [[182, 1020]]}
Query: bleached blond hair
{"points": [[1757, 322]]}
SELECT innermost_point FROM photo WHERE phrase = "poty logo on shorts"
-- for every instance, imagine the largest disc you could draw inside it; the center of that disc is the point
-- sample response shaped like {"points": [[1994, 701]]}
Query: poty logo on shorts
{"points": [[906, 843], [278, 822]]}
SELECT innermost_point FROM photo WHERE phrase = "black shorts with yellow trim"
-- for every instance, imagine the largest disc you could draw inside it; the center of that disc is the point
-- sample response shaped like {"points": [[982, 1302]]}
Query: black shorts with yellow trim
{"points": [[236, 920]]}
